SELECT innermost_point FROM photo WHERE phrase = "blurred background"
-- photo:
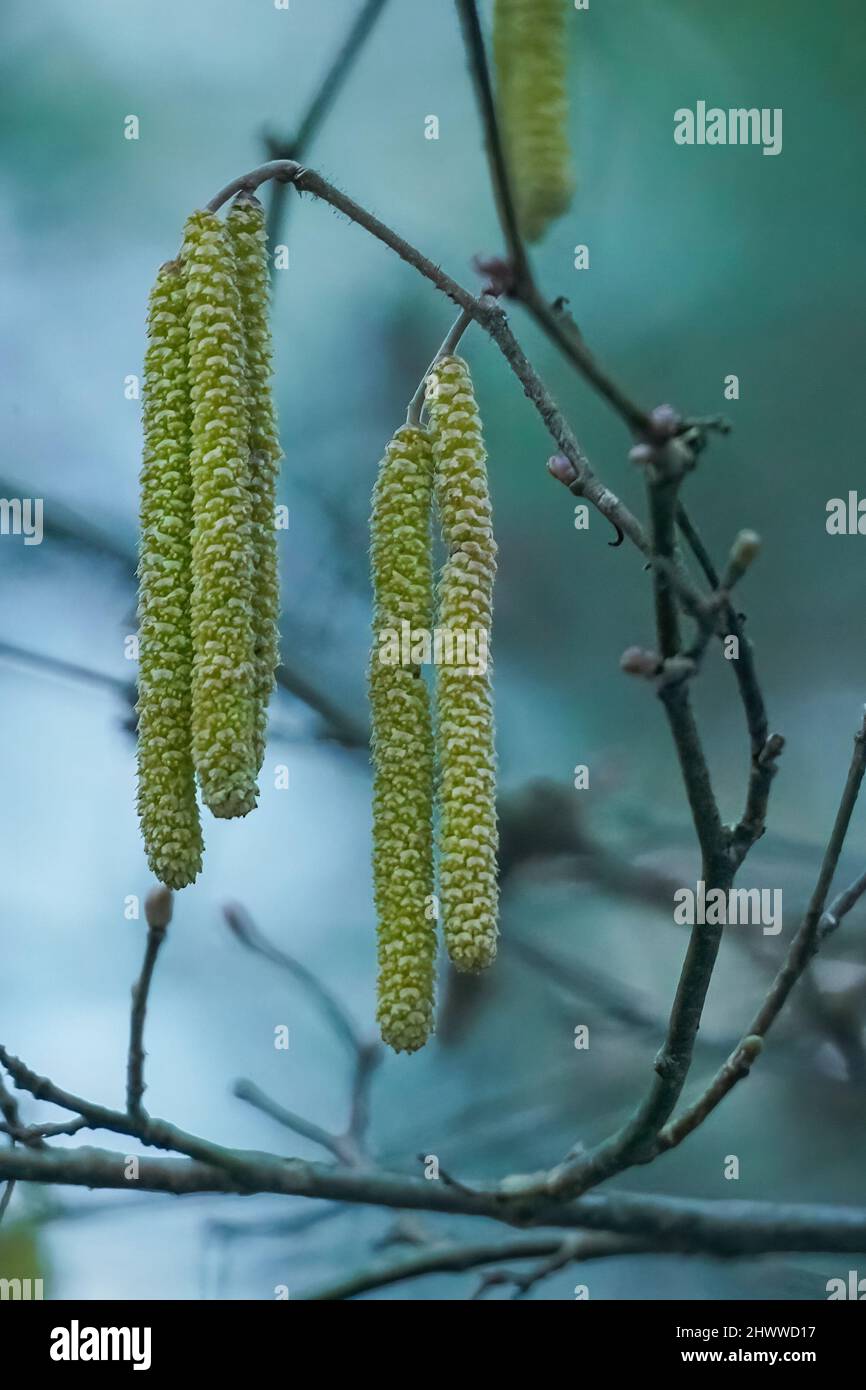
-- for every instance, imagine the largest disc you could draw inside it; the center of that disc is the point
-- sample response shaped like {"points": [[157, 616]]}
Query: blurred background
{"points": [[704, 262]]}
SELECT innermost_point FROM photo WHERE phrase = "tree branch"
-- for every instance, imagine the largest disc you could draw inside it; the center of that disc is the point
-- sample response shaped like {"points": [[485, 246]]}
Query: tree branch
{"points": [[158, 909], [484, 310], [457, 1259], [655, 426], [734, 1228], [296, 146], [817, 924], [556, 323], [636, 1142]]}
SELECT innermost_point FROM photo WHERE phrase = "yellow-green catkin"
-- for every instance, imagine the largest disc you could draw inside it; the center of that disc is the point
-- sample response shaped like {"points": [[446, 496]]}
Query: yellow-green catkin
{"points": [[529, 47], [223, 720], [468, 838], [246, 229], [167, 805], [402, 742]]}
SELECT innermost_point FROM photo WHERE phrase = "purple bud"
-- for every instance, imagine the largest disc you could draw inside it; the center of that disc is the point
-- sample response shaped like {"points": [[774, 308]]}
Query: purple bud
{"points": [[642, 454], [637, 661], [666, 420], [562, 469]]}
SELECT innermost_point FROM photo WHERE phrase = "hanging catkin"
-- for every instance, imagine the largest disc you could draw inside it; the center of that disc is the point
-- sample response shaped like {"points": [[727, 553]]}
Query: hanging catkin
{"points": [[402, 743], [224, 719], [246, 230], [468, 837], [529, 47], [167, 805]]}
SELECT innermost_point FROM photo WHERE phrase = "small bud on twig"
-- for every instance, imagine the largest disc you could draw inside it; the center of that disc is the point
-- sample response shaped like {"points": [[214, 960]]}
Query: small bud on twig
{"points": [[637, 661], [744, 550], [642, 455], [499, 273], [771, 749], [749, 1050], [665, 421], [562, 468], [158, 907]]}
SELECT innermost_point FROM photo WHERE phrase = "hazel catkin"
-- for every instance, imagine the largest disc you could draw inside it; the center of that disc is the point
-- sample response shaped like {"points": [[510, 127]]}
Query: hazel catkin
{"points": [[402, 743], [246, 230], [167, 805], [464, 729], [529, 47], [223, 687]]}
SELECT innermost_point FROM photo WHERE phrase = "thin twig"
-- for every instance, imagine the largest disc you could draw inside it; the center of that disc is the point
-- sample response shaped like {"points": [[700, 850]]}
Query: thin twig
{"points": [[457, 1259], [369, 1057], [484, 310], [556, 323], [158, 909], [561, 329], [570, 1250], [503, 193], [296, 146], [70, 670], [636, 1141], [709, 1227], [818, 922], [6, 1198], [244, 928], [449, 346], [250, 1093]]}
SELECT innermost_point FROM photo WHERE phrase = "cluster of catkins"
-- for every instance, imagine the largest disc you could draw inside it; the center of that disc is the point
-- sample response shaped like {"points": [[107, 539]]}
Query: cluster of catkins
{"points": [[208, 586], [432, 756], [529, 48]]}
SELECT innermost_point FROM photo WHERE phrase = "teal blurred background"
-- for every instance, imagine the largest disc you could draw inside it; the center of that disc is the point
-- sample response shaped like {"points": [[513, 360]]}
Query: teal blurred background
{"points": [[704, 262]]}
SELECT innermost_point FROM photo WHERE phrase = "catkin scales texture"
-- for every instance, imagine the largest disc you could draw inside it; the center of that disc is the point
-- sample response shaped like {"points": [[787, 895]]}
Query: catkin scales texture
{"points": [[246, 230], [402, 745], [167, 805], [224, 707], [468, 837], [529, 46]]}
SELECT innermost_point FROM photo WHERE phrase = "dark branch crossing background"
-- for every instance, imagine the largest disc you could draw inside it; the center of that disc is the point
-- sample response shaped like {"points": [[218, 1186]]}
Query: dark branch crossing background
{"points": [[665, 351]]}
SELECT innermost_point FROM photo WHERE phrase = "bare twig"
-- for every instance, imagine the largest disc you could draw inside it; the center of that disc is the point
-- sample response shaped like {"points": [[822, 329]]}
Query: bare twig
{"points": [[457, 1259], [70, 670], [158, 910], [347, 1147], [296, 146], [636, 1141], [9, 1110], [654, 426], [484, 310], [244, 928], [6, 1198], [449, 346], [249, 1092], [687, 1225], [818, 922], [570, 1250], [35, 1134], [338, 725], [473, 40], [556, 323]]}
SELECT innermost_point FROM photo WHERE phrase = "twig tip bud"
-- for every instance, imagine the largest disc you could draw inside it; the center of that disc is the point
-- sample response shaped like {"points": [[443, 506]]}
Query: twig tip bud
{"points": [[745, 548], [158, 908], [665, 421]]}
